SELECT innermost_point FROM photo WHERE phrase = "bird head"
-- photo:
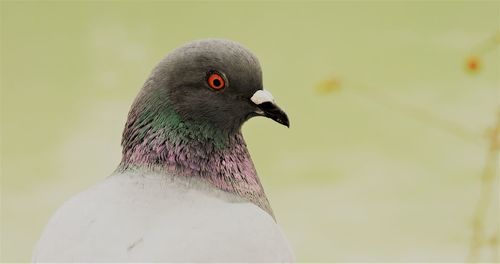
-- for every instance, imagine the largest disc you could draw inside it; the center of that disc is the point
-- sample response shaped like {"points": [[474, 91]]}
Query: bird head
{"points": [[214, 82]]}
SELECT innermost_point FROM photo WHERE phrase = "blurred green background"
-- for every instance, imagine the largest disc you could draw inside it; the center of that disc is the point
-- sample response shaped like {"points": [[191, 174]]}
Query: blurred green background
{"points": [[386, 167]]}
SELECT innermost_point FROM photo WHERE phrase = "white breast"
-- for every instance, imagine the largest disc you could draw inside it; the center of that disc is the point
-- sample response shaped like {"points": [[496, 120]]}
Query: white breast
{"points": [[154, 218]]}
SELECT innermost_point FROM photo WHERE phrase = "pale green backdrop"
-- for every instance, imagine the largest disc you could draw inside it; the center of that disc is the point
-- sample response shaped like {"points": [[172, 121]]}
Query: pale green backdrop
{"points": [[385, 168]]}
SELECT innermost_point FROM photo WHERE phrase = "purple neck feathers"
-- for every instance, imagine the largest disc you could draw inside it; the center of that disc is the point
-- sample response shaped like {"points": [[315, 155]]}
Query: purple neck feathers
{"points": [[168, 144]]}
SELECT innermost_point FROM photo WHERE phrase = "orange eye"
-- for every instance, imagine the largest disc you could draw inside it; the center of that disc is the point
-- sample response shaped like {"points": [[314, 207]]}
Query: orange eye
{"points": [[215, 81]]}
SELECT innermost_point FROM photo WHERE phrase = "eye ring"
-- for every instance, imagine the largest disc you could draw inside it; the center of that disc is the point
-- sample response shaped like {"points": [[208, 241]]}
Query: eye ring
{"points": [[216, 80]]}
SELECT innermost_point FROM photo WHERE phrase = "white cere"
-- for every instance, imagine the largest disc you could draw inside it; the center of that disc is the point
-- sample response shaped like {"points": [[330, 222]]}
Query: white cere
{"points": [[262, 96]]}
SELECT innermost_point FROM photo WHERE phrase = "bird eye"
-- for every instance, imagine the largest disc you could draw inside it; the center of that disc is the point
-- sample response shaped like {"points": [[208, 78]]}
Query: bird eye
{"points": [[215, 80]]}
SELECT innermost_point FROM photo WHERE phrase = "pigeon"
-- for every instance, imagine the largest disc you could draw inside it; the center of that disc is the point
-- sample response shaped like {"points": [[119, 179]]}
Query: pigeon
{"points": [[186, 189]]}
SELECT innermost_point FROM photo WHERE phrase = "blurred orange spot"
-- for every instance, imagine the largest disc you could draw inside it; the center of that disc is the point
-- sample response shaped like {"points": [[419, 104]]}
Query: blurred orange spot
{"points": [[472, 64], [329, 85]]}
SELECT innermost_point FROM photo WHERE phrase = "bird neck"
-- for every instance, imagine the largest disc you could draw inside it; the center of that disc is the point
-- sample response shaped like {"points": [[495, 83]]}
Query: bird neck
{"points": [[163, 142]]}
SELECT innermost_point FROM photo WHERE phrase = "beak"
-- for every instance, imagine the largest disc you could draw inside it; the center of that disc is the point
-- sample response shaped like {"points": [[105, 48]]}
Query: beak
{"points": [[267, 107]]}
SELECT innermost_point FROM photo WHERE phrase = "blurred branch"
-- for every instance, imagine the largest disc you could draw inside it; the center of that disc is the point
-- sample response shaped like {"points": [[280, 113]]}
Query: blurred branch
{"points": [[488, 179], [488, 45], [489, 176], [418, 114]]}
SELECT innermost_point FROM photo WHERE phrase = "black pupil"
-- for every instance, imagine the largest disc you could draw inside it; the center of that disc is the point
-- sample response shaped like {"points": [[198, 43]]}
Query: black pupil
{"points": [[217, 82]]}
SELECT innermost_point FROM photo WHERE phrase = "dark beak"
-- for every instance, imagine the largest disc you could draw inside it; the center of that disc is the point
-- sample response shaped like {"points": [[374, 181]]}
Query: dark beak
{"points": [[271, 110]]}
